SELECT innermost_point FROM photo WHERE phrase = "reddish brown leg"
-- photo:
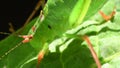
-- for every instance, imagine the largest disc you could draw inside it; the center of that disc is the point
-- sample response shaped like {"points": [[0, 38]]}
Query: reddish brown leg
{"points": [[107, 17], [40, 3], [40, 57], [92, 51]]}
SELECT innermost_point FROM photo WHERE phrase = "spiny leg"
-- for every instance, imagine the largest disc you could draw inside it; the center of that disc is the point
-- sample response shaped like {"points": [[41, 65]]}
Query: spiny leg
{"points": [[37, 7], [40, 3], [86, 38]]}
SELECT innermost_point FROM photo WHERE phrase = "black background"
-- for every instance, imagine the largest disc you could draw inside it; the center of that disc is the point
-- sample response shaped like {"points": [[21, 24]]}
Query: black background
{"points": [[16, 12]]}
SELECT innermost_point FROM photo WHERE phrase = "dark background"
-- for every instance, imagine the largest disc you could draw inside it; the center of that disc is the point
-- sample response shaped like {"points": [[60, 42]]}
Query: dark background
{"points": [[16, 12]]}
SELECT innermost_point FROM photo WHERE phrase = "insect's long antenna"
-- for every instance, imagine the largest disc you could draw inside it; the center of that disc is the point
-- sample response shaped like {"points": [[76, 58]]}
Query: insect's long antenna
{"points": [[5, 54], [5, 33]]}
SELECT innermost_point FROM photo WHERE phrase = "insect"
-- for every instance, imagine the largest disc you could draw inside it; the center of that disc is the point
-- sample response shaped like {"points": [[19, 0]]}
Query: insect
{"points": [[48, 23]]}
